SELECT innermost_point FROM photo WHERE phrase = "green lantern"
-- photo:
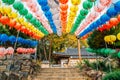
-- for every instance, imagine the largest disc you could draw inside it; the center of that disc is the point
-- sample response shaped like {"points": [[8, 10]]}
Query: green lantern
{"points": [[80, 17], [18, 6], [89, 50], [107, 51], [33, 21], [4, 1], [102, 50], [118, 54], [23, 11], [91, 0], [10, 1], [29, 16], [87, 5], [42, 29], [112, 51], [83, 12]]}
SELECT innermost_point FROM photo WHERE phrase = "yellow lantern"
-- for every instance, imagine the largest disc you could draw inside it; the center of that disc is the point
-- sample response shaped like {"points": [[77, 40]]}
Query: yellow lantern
{"points": [[74, 8], [118, 36], [21, 20], [13, 15], [75, 2], [107, 38], [7, 10], [112, 38], [1, 10]]}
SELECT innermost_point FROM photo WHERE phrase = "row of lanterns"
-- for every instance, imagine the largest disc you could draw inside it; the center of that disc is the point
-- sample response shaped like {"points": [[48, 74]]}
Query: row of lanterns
{"points": [[111, 12], [111, 38], [87, 5]]}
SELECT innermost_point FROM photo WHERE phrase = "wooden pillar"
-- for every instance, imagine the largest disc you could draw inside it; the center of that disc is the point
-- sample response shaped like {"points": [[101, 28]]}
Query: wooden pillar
{"points": [[79, 53]]}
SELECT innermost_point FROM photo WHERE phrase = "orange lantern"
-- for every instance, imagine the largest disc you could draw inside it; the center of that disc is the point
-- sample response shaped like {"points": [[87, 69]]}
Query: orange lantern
{"points": [[114, 21], [63, 1], [118, 17], [17, 26], [63, 12], [4, 20], [108, 25], [63, 7], [12, 23]]}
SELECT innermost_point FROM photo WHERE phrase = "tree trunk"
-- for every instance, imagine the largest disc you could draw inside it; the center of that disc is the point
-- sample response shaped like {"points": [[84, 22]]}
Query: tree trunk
{"points": [[50, 50], [45, 53]]}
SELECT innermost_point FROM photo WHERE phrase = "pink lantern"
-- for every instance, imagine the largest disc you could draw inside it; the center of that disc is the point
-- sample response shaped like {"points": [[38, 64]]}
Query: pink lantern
{"points": [[99, 8], [10, 50], [105, 2]]}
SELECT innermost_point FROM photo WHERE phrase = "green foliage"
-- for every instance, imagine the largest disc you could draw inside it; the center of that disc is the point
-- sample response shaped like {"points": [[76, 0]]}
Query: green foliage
{"points": [[112, 76]]}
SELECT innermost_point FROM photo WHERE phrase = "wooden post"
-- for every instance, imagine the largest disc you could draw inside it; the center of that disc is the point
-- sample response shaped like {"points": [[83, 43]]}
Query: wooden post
{"points": [[79, 53]]}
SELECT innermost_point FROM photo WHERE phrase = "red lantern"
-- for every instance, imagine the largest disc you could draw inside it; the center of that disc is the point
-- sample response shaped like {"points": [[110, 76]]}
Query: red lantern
{"points": [[114, 21], [63, 1], [63, 7]]}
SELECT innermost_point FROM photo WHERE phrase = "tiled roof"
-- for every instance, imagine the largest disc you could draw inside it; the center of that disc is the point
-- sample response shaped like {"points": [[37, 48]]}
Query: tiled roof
{"points": [[73, 52]]}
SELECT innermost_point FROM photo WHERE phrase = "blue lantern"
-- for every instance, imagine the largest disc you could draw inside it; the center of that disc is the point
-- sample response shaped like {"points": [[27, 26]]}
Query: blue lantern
{"points": [[4, 38], [43, 2], [12, 39], [45, 8], [111, 12], [117, 6], [104, 18]]}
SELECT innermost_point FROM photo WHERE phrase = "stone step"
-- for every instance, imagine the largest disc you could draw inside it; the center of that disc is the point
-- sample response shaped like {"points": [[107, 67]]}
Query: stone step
{"points": [[59, 70], [60, 78], [60, 74]]}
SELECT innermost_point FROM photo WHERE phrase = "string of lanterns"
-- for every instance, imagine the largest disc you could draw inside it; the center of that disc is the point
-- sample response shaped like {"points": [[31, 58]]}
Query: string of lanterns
{"points": [[12, 39], [87, 5], [111, 12]]}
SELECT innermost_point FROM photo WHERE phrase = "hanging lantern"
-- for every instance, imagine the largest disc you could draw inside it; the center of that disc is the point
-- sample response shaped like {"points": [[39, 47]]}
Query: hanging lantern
{"points": [[7, 10], [63, 1], [74, 8], [4, 20], [43, 2], [18, 6], [105, 2], [28, 16], [9, 2], [83, 12], [12, 23], [111, 12], [104, 18], [91, 0], [117, 6], [114, 21], [99, 8], [63, 7], [23, 11], [87, 5], [4, 38], [12, 39], [13, 15], [118, 36], [75, 2], [118, 17], [17, 26], [45, 8]]}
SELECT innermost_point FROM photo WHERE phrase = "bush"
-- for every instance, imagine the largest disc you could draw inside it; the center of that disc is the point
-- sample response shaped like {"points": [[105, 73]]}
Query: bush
{"points": [[112, 76]]}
